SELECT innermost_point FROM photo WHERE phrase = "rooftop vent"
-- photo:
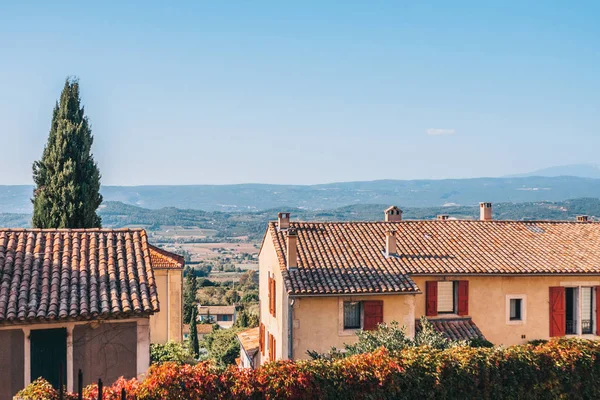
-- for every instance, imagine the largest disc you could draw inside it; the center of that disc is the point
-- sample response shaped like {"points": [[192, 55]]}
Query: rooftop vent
{"points": [[485, 211], [292, 248], [393, 214], [443, 217], [582, 218], [390, 243], [283, 221]]}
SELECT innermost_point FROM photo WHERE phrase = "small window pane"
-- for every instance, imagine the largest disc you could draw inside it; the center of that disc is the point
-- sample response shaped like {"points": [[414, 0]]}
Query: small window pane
{"points": [[351, 315], [445, 297], [586, 310], [515, 309]]}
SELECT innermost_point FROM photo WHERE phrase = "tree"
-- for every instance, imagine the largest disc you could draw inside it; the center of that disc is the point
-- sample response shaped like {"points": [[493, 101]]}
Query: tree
{"points": [[189, 296], [67, 179], [222, 345], [195, 344]]}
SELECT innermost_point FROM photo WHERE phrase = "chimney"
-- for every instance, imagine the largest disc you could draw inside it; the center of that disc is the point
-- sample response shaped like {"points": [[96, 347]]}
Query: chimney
{"points": [[582, 218], [283, 221], [393, 214], [485, 211], [390, 243], [292, 248], [443, 217]]}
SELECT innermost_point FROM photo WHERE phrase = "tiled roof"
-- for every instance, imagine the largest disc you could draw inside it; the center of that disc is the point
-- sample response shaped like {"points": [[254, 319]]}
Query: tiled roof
{"points": [[216, 310], [163, 259], [249, 341], [455, 328], [348, 257], [60, 275], [202, 329]]}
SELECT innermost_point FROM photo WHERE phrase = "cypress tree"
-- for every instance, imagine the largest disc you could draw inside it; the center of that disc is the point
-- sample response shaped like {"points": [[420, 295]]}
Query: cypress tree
{"points": [[194, 333], [67, 179]]}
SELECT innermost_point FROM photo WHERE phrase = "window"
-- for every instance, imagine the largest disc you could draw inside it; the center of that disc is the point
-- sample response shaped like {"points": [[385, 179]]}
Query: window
{"points": [[366, 315], [352, 314], [446, 298], [224, 317], [272, 296], [573, 310], [515, 309]]}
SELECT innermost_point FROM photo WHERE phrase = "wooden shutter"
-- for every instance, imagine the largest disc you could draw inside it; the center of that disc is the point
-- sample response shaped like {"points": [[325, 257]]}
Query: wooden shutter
{"points": [[274, 297], [597, 322], [463, 298], [557, 311], [431, 298], [261, 339], [372, 314], [270, 296]]}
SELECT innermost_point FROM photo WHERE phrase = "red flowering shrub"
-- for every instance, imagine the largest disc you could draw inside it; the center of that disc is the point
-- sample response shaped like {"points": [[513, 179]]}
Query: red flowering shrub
{"points": [[556, 369]]}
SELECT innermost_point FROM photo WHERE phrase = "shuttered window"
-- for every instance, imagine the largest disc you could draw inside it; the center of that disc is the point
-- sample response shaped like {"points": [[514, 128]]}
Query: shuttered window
{"points": [[462, 296], [261, 339], [272, 296], [445, 293]]}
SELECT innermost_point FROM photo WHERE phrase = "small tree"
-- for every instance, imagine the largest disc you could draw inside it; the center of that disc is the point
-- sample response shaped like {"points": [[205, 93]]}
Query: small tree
{"points": [[195, 344], [67, 179], [189, 296]]}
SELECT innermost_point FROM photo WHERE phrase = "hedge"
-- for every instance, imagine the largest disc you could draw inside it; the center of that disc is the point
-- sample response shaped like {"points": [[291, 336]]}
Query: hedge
{"points": [[556, 369]]}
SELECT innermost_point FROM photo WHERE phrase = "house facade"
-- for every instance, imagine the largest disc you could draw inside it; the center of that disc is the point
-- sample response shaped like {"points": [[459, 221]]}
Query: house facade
{"points": [[224, 316], [249, 348], [506, 281], [74, 299], [167, 325]]}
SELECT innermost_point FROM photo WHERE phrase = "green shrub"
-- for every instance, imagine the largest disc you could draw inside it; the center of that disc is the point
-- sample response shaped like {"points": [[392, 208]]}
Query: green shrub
{"points": [[180, 353]]}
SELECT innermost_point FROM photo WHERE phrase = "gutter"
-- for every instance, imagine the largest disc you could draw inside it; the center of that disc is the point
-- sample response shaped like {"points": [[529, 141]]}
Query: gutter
{"points": [[354, 294], [291, 328]]}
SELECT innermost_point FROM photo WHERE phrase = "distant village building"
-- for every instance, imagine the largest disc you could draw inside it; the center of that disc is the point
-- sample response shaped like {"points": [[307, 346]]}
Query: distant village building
{"points": [[506, 281], [76, 299], [167, 325], [202, 329], [224, 316], [249, 348]]}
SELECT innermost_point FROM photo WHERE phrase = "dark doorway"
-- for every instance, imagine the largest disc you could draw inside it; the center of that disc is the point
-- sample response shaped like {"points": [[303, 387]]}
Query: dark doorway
{"points": [[49, 354], [570, 311]]}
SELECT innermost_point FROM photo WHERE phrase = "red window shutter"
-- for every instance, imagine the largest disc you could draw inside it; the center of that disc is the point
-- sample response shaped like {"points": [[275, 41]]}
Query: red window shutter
{"points": [[431, 300], [463, 298], [270, 294], [598, 310], [274, 298], [373, 314], [557, 311], [261, 339], [274, 349]]}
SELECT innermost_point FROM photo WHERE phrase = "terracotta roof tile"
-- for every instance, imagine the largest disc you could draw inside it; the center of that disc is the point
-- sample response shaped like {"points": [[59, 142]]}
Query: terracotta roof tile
{"points": [[348, 257], [455, 328], [216, 310], [162, 259], [53, 275]]}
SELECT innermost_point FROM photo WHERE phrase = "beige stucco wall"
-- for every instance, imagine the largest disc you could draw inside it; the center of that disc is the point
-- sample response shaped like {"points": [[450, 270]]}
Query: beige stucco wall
{"points": [[276, 326], [168, 323], [318, 321], [487, 303]]}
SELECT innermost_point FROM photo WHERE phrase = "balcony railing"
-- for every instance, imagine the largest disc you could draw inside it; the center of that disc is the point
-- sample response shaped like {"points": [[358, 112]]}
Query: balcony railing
{"points": [[586, 326], [571, 327]]}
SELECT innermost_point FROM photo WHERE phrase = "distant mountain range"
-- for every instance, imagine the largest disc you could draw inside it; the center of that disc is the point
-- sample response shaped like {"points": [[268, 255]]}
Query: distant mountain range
{"points": [[407, 193], [578, 170], [252, 224]]}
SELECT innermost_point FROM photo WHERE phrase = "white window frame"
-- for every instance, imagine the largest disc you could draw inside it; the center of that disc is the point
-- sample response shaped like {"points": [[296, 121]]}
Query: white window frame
{"points": [[523, 298]]}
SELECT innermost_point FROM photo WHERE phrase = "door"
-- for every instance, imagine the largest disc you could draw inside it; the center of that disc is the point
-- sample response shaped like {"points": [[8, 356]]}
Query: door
{"points": [[49, 355]]}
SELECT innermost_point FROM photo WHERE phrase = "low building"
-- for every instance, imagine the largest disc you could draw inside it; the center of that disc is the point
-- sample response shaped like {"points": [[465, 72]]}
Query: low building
{"points": [[202, 329], [167, 325], [74, 299], [249, 348], [506, 281], [224, 316]]}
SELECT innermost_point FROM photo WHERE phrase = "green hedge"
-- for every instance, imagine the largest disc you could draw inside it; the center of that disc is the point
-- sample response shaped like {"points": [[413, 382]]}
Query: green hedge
{"points": [[557, 369]]}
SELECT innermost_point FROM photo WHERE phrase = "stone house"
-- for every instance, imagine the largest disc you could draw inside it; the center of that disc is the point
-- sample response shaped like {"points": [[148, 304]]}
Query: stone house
{"points": [[75, 299], [506, 281]]}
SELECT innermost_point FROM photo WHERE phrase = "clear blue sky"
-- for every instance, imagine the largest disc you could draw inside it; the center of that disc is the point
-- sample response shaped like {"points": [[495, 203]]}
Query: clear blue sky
{"points": [[305, 91]]}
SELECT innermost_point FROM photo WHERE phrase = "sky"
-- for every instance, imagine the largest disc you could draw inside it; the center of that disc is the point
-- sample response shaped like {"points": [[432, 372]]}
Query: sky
{"points": [[222, 92]]}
